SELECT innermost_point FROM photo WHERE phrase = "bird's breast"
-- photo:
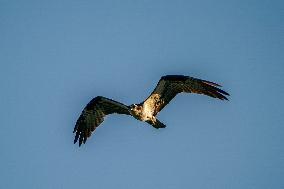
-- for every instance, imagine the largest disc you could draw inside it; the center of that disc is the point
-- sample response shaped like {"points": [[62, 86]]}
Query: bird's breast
{"points": [[147, 112]]}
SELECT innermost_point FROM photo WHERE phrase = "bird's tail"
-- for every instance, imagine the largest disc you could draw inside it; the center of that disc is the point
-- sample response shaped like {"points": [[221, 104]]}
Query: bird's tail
{"points": [[156, 124]]}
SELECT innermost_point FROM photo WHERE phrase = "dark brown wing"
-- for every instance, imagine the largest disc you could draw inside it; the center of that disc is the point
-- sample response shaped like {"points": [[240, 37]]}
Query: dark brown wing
{"points": [[169, 86], [93, 115]]}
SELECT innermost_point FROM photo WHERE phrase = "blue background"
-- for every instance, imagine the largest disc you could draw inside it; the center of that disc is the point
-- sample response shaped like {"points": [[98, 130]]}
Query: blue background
{"points": [[55, 56]]}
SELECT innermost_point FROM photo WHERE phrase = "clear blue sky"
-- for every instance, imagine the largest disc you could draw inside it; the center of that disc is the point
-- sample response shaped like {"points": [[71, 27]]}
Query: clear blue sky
{"points": [[55, 56]]}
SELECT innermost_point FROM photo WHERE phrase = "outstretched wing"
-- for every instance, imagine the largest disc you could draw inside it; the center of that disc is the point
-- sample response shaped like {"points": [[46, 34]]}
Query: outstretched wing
{"points": [[170, 85], [93, 115]]}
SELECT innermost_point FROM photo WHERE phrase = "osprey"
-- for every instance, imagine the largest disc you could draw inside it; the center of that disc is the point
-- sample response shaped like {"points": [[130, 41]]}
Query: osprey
{"points": [[167, 88]]}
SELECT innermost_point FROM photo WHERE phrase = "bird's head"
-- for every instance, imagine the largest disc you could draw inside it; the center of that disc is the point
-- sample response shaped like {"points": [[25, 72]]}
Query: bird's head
{"points": [[135, 107], [136, 111]]}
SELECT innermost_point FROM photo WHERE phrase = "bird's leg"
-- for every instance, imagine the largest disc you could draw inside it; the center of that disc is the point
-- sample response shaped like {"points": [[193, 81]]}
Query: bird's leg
{"points": [[156, 123]]}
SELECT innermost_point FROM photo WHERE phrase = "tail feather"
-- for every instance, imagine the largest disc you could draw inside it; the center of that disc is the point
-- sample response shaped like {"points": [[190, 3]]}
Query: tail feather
{"points": [[157, 124]]}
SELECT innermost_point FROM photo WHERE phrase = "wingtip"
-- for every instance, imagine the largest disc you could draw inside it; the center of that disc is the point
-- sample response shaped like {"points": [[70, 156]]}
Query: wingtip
{"points": [[79, 143], [211, 83], [225, 98], [224, 92], [84, 141]]}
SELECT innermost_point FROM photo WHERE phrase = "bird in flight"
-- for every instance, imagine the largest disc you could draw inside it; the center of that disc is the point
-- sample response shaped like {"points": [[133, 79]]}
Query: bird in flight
{"points": [[167, 88]]}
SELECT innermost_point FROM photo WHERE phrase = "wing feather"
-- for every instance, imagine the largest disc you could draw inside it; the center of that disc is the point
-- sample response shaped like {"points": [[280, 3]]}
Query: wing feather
{"points": [[93, 115], [170, 85]]}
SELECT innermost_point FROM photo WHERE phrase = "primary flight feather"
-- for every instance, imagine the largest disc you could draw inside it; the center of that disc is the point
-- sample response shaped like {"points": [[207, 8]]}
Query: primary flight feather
{"points": [[167, 88]]}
